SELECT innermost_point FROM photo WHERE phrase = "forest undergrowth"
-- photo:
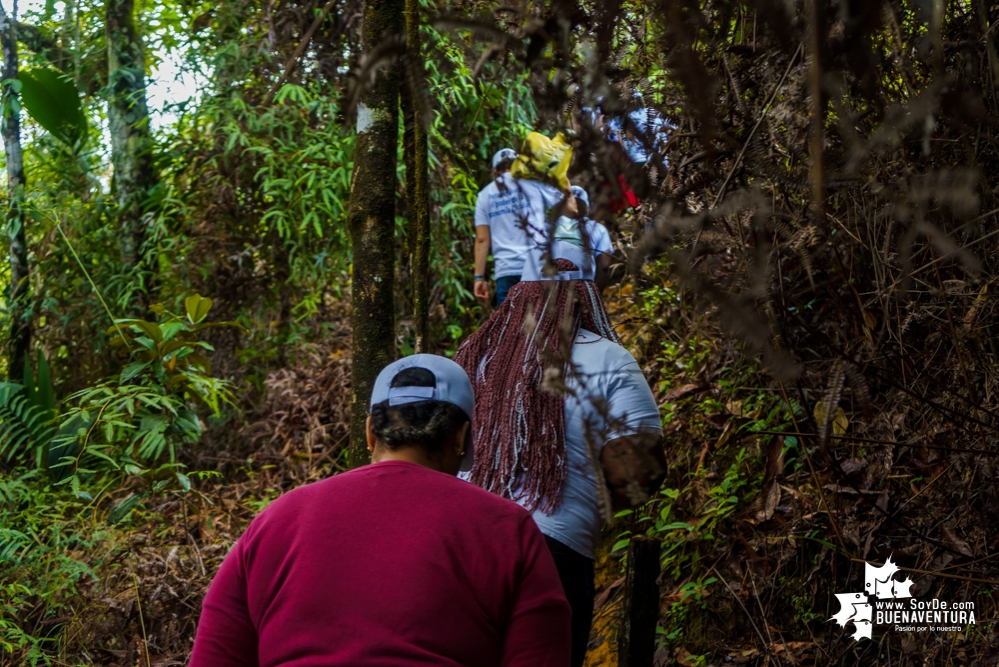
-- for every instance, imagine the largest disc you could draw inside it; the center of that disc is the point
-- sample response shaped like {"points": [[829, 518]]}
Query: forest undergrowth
{"points": [[809, 284], [744, 518]]}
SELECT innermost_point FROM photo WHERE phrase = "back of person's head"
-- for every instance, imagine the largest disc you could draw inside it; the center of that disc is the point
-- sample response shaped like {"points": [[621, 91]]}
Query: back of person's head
{"points": [[582, 202], [503, 160], [425, 424]]}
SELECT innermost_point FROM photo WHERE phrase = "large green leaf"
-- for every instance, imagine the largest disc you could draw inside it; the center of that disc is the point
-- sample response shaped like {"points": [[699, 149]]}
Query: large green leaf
{"points": [[53, 101], [29, 380], [132, 370], [44, 391], [40, 393]]}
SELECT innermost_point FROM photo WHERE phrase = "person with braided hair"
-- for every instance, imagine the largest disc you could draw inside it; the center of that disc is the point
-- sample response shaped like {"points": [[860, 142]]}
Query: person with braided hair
{"points": [[394, 563], [565, 422]]}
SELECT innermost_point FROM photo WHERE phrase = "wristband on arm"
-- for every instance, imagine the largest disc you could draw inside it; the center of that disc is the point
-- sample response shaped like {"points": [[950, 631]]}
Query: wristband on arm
{"points": [[479, 277]]}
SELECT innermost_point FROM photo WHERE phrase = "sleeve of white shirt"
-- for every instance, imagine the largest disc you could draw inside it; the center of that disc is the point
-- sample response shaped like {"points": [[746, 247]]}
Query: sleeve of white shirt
{"points": [[600, 238], [482, 209], [631, 406], [551, 195]]}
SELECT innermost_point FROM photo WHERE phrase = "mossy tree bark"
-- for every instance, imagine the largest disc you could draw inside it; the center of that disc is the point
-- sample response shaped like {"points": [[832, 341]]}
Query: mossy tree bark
{"points": [[131, 138], [19, 342], [417, 186], [371, 220]]}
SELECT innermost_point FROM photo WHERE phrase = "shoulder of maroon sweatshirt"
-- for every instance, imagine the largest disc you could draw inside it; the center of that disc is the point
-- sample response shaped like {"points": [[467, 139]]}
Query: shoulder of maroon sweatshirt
{"points": [[465, 492]]}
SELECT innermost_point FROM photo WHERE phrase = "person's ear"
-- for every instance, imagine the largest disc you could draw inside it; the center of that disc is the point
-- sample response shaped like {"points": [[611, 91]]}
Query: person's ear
{"points": [[369, 434], [462, 437], [455, 449]]}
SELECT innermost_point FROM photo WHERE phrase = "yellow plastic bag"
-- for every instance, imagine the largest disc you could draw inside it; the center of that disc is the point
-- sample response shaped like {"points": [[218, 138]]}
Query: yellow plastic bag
{"points": [[544, 159]]}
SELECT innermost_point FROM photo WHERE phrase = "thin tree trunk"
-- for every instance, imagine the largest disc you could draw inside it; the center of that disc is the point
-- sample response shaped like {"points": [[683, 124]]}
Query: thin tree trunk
{"points": [[19, 343], [131, 136], [818, 102], [417, 187], [371, 221]]}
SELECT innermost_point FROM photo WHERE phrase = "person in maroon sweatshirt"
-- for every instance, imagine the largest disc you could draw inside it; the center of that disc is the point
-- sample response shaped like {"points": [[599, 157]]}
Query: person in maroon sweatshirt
{"points": [[395, 563]]}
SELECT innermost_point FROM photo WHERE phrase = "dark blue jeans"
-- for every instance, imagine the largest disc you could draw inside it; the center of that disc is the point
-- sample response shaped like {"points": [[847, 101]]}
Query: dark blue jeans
{"points": [[503, 286]]}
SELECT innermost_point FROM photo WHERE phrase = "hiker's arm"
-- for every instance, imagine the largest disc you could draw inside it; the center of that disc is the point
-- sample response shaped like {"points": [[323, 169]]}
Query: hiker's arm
{"points": [[571, 209], [539, 631], [632, 458], [634, 467], [482, 239], [226, 636], [558, 202]]}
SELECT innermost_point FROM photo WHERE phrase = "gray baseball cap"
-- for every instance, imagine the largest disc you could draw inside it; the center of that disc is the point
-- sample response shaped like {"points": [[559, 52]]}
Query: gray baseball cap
{"points": [[504, 154], [452, 386]]}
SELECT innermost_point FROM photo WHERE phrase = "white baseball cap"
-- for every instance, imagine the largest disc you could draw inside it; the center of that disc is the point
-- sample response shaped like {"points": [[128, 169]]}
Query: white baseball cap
{"points": [[580, 194], [451, 386], [504, 154]]}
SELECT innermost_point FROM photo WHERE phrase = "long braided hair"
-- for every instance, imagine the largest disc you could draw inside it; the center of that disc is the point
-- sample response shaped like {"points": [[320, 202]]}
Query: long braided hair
{"points": [[518, 362]]}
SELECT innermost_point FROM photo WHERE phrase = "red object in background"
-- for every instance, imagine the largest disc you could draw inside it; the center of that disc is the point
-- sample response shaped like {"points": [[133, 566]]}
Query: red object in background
{"points": [[628, 198]]}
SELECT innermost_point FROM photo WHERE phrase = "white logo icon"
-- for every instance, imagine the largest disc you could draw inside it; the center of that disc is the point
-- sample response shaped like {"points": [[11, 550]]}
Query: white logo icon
{"points": [[856, 607]]}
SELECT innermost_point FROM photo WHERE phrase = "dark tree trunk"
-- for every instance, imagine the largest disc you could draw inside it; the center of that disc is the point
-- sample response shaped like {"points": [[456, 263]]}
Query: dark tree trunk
{"points": [[816, 33], [637, 637], [131, 136], [417, 187], [19, 342], [371, 221]]}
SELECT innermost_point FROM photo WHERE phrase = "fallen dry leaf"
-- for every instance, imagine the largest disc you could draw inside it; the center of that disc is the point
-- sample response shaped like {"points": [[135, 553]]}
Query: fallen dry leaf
{"points": [[679, 392], [726, 435], [790, 646], [769, 503], [606, 593], [840, 422], [960, 545]]}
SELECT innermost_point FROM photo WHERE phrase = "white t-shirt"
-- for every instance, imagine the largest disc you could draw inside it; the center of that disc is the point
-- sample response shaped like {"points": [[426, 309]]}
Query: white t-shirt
{"points": [[516, 212], [599, 237], [606, 372]]}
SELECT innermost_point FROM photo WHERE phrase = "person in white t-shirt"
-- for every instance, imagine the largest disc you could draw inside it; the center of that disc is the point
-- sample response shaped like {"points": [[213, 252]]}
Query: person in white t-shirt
{"points": [[591, 235], [570, 439], [511, 216]]}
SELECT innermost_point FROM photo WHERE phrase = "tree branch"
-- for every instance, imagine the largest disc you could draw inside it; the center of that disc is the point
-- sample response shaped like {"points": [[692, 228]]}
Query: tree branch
{"points": [[37, 41]]}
